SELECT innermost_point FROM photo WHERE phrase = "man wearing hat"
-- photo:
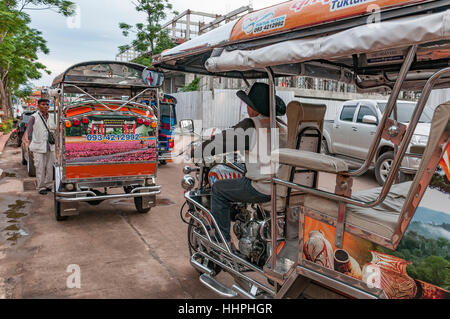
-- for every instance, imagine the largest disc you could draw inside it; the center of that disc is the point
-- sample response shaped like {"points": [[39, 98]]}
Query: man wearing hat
{"points": [[39, 127], [255, 187]]}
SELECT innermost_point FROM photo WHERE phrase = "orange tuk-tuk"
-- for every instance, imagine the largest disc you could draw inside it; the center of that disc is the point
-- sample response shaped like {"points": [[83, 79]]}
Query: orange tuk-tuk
{"points": [[330, 241], [106, 140]]}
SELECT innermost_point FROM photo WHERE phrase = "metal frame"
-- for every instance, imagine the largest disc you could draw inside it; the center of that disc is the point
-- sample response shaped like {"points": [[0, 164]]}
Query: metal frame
{"points": [[225, 250], [420, 190]]}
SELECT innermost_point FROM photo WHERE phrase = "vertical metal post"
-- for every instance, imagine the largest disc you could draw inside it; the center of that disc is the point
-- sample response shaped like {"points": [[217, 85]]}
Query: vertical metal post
{"points": [[188, 26], [158, 117], [389, 107], [273, 139], [60, 126]]}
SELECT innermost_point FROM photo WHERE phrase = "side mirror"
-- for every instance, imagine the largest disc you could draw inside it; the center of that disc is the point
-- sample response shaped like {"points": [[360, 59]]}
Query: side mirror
{"points": [[187, 126], [370, 119]]}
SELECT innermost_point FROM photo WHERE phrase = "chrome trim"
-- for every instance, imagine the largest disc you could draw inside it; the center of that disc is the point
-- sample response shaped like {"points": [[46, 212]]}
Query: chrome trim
{"points": [[229, 269], [199, 266], [335, 284], [242, 292], [216, 286], [66, 197]]}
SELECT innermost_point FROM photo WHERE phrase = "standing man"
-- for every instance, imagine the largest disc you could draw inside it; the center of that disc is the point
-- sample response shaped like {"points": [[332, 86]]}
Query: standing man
{"points": [[44, 153]]}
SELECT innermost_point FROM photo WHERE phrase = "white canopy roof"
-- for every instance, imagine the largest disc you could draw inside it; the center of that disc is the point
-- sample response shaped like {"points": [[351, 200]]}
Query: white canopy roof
{"points": [[391, 34]]}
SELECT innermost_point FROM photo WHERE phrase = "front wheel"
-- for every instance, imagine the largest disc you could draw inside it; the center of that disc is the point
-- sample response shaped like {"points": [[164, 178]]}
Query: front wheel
{"points": [[138, 202], [194, 246], [57, 207], [383, 167]]}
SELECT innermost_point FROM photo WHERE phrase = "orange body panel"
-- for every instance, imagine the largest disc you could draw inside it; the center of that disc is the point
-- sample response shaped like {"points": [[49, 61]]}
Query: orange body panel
{"points": [[304, 13], [110, 170]]}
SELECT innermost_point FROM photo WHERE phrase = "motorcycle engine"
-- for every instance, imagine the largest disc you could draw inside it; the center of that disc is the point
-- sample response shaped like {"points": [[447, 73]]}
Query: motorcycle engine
{"points": [[246, 229]]}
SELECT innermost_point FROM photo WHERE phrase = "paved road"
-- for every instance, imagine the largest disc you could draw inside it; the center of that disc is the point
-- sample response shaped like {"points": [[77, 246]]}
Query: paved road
{"points": [[121, 254]]}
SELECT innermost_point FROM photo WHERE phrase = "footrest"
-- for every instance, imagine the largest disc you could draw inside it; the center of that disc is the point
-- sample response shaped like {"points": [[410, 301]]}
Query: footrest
{"points": [[284, 262], [217, 287]]}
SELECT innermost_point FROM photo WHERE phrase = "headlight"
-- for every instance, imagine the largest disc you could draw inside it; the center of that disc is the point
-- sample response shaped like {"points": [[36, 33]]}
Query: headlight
{"points": [[188, 182], [419, 140]]}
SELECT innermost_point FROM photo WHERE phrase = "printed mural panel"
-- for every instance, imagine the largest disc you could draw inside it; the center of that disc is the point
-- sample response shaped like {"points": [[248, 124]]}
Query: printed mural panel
{"points": [[420, 266], [110, 139]]}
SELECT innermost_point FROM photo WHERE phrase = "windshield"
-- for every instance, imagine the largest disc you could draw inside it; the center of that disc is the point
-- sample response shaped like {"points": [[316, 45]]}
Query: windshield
{"points": [[405, 112]]}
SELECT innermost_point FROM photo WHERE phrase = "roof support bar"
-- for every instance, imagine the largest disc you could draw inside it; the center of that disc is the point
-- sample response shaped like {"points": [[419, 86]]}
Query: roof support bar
{"points": [[389, 107], [397, 161]]}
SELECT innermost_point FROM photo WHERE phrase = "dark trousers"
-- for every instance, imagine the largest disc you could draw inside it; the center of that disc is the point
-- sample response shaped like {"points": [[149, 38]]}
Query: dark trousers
{"points": [[229, 191]]}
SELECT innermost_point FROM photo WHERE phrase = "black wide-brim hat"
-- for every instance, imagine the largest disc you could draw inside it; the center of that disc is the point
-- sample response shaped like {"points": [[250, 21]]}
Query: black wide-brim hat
{"points": [[258, 99]]}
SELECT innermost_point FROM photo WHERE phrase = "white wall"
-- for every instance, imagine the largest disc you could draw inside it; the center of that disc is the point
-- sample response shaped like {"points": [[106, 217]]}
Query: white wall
{"points": [[222, 108], [438, 97]]}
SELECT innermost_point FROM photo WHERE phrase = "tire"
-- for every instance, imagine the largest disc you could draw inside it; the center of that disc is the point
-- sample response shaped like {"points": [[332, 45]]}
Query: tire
{"points": [[139, 208], [324, 147], [192, 245], [31, 170], [163, 162], [24, 161], [57, 207], [19, 140], [383, 167]]}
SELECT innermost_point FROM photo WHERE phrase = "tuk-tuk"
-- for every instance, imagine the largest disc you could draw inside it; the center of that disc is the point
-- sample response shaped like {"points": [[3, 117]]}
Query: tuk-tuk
{"points": [[106, 142], [167, 122], [334, 243]]}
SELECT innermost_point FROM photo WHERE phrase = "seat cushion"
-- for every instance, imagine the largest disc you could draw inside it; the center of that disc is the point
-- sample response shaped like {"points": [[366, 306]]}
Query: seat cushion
{"points": [[309, 160], [295, 200], [381, 219]]}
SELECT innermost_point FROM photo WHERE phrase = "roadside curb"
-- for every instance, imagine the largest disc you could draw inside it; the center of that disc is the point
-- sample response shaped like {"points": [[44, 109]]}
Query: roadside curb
{"points": [[3, 140]]}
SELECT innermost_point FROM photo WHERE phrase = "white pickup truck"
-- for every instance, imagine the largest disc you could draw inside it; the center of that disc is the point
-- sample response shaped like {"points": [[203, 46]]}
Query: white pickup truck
{"points": [[351, 134]]}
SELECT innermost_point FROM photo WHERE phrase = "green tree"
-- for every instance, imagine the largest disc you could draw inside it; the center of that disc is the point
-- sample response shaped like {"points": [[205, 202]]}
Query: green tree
{"points": [[193, 86], [20, 45], [430, 258], [149, 36]]}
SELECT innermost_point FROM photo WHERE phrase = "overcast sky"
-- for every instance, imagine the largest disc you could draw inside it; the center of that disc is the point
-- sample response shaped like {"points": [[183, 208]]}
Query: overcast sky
{"points": [[98, 35]]}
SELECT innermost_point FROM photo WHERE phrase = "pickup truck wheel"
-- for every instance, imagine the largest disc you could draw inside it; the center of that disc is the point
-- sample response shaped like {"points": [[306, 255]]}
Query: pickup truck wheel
{"points": [[324, 147], [383, 167]]}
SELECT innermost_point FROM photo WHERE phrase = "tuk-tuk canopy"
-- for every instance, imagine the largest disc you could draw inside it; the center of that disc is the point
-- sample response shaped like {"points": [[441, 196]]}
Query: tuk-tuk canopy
{"points": [[333, 39], [109, 75]]}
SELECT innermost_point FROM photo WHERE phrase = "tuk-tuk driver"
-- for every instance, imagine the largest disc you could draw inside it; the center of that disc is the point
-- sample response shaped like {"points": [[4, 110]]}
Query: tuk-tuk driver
{"points": [[255, 187]]}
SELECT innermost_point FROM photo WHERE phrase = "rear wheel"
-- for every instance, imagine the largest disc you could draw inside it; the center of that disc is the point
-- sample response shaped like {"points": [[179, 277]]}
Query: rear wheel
{"points": [[163, 162], [383, 167]]}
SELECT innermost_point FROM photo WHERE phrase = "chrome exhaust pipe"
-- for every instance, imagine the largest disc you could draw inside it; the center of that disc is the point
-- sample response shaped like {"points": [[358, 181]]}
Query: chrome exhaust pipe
{"points": [[199, 266]]}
